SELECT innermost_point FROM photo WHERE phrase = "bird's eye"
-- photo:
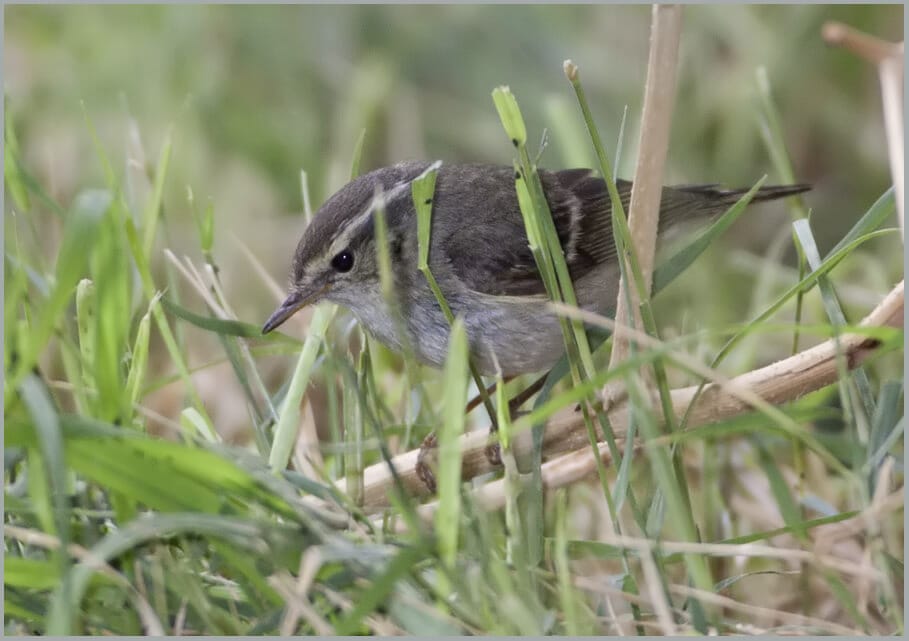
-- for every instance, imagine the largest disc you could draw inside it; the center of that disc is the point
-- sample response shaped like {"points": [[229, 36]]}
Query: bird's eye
{"points": [[343, 261]]}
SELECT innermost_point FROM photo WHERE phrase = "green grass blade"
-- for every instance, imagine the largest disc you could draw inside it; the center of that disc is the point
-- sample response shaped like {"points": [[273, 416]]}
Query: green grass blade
{"points": [[289, 415], [882, 209], [148, 285], [225, 327], [79, 232], [567, 596], [510, 115], [681, 260], [772, 133], [49, 436], [788, 506], [887, 424], [423, 191], [195, 423], [830, 261], [447, 518], [34, 574], [379, 589], [153, 208], [354, 422], [85, 315], [837, 318], [256, 538], [110, 176], [111, 320], [357, 155], [569, 136], [550, 259], [139, 357], [12, 172], [304, 196]]}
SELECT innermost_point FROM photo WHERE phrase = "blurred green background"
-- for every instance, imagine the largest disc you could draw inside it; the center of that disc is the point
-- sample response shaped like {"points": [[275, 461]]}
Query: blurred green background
{"points": [[257, 93], [254, 95]]}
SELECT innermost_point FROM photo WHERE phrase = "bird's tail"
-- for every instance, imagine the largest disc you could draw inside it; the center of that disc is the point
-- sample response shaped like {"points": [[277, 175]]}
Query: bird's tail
{"points": [[684, 203], [718, 195]]}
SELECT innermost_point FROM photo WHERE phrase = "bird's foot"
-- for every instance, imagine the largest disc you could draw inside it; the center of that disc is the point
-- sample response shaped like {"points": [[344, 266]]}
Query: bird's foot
{"points": [[427, 461], [493, 449], [427, 458]]}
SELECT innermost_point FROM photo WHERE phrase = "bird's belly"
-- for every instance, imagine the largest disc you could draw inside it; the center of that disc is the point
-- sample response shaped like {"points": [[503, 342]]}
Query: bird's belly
{"points": [[507, 334], [522, 335], [514, 337]]}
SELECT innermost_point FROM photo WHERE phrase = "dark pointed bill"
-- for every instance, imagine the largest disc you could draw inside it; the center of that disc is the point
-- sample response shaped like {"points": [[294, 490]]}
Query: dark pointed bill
{"points": [[285, 310]]}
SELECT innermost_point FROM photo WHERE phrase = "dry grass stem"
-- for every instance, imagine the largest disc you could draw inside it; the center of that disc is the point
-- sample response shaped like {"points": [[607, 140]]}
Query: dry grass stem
{"points": [[888, 58], [755, 611], [144, 609], [295, 593], [777, 383], [646, 192]]}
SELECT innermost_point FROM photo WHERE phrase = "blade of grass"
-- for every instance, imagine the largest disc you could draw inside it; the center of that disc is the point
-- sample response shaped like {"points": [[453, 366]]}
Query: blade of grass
{"points": [[12, 172], [289, 415], [195, 423], [559, 286], [858, 376], [85, 313], [550, 261], [353, 435], [304, 195], [167, 335], [569, 136], [792, 516], [447, 517], [225, 327], [682, 259], [834, 310], [628, 262], [514, 549], [886, 428], [357, 155], [423, 191], [567, 597], [772, 133], [380, 587], [153, 207], [112, 316], [882, 209], [46, 425], [830, 261], [79, 232]]}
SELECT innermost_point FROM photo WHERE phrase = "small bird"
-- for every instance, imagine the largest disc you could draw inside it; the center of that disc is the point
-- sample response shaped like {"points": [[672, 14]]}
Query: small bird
{"points": [[479, 255]]}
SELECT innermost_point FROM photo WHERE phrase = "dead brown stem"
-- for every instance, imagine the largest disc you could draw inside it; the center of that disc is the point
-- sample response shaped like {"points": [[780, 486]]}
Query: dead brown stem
{"points": [[647, 188], [565, 442], [888, 58]]}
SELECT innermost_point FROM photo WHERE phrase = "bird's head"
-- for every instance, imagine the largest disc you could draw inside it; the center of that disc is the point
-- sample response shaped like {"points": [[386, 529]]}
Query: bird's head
{"points": [[335, 259]]}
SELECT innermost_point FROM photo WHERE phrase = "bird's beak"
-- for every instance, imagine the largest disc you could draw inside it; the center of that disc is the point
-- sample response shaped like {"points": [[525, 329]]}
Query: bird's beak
{"points": [[285, 310]]}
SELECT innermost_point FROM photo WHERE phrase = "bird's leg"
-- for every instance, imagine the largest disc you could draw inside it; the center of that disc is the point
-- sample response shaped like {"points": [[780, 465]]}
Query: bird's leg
{"points": [[426, 461], [426, 457], [476, 400], [494, 450]]}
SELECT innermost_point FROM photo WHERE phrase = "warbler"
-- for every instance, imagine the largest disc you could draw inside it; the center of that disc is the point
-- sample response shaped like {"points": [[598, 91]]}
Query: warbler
{"points": [[479, 255]]}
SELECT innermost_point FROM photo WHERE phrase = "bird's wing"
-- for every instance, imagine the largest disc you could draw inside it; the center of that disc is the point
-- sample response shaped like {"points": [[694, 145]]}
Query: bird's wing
{"points": [[499, 261], [487, 248]]}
